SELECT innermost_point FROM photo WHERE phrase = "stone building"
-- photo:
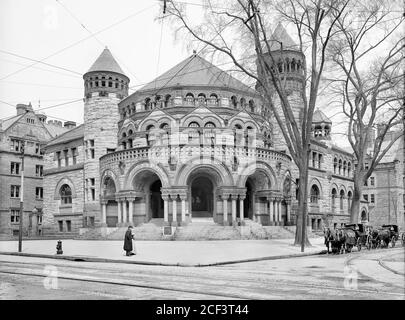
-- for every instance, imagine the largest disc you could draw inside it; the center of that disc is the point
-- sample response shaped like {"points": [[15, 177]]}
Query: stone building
{"points": [[33, 129], [385, 189], [195, 143]]}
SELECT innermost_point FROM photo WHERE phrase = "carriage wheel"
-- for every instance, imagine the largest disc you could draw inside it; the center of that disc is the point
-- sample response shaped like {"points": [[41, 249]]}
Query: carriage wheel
{"points": [[392, 241], [359, 244]]}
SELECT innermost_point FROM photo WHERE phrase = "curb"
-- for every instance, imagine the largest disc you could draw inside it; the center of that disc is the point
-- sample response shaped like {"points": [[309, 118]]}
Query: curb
{"points": [[105, 260]]}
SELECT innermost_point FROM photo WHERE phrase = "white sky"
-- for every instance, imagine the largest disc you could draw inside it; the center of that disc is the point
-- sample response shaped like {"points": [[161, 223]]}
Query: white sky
{"points": [[37, 29], [41, 28]]}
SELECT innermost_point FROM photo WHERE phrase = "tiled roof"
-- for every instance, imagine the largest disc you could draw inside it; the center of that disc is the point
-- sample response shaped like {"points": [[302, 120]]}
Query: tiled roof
{"points": [[196, 71], [55, 130], [106, 62], [5, 124], [73, 134]]}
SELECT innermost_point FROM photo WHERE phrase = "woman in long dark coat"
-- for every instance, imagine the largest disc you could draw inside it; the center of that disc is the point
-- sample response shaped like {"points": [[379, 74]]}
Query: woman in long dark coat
{"points": [[128, 242]]}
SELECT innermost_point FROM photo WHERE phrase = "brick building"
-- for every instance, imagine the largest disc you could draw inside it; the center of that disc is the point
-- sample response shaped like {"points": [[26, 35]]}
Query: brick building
{"points": [[33, 129], [193, 143]]}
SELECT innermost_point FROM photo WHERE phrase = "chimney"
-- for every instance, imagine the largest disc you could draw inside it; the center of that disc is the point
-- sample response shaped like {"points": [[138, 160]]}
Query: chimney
{"points": [[21, 108], [69, 124]]}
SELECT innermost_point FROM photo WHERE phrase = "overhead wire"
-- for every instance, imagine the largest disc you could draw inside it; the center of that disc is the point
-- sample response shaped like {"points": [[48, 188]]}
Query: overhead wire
{"points": [[79, 41]]}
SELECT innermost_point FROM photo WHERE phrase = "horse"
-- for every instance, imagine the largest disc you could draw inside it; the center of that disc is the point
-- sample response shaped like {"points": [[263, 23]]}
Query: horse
{"points": [[383, 237], [335, 240], [328, 236], [348, 239]]}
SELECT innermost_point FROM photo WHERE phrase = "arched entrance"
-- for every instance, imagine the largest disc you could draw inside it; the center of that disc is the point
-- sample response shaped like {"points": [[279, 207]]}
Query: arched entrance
{"points": [[202, 197], [149, 184], [248, 203], [156, 201]]}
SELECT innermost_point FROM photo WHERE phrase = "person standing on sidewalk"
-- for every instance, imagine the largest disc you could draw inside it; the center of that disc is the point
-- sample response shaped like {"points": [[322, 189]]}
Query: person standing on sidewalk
{"points": [[128, 241]]}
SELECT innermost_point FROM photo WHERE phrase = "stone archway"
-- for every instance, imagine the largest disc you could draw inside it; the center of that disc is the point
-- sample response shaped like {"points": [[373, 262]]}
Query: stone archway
{"points": [[148, 184], [202, 197], [202, 183], [156, 201]]}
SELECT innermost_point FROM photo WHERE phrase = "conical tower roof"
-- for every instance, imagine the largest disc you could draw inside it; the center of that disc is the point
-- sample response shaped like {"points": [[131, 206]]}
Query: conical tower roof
{"points": [[320, 117], [196, 71], [279, 36], [106, 62]]}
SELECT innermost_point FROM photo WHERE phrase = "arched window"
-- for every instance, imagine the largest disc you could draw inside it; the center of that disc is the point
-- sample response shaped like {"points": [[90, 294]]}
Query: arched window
{"points": [[251, 106], [110, 82], [194, 125], [314, 197], [164, 126], [349, 200], [124, 135], [109, 187], [234, 102], [201, 98], [363, 215], [167, 100], [335, 162], [65, 194], [334, 195], [129, 144], [147, 104], [342, 196], [130, 132], [340, 166], [190, 98], [150, 127], [344, 167], [213, 98], [238, 126], [349, 168], [209, 125], [242, 102]]}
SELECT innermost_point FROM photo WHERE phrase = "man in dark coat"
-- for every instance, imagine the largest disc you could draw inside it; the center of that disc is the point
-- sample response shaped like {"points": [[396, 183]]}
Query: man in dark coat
{"points": [[128, 241]]}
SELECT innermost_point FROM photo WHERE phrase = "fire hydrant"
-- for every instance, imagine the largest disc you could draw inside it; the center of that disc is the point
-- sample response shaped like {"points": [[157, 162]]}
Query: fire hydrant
{"points": [[59, 247]]}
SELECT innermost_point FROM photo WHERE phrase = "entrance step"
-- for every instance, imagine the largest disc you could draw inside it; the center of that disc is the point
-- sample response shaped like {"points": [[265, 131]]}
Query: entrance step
{"points": [[207, 221]]}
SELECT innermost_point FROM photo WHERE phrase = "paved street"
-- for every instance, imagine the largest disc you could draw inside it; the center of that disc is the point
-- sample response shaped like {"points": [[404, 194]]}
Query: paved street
{"points": [[376, 274]]}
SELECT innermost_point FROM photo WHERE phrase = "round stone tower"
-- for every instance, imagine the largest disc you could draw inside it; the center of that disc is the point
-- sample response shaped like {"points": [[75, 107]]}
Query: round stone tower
{"points": [[286, 57], [105, 85]]}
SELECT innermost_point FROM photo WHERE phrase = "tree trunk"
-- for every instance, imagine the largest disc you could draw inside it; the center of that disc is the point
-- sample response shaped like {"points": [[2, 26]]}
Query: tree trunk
{"points": [[357, 193], [302, 208]]}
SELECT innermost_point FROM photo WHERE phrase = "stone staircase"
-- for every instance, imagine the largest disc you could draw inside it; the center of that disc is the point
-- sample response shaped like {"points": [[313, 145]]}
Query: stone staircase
{"points": [[254, 230], [147, 231], [198, 229], [206, 229]]}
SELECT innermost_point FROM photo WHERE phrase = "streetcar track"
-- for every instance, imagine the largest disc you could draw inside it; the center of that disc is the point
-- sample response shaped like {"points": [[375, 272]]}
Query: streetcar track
{"points": [[278, 283], [229, 296]]}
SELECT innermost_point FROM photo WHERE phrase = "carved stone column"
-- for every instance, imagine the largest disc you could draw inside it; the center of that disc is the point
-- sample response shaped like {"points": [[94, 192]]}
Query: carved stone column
{"points": [[271, 210], [174, 214], [234, 198], [124, 211], [225, 208], [165, 208], [183, 208], [119, 212], [241, 208], [131, 211], [104, 212]]}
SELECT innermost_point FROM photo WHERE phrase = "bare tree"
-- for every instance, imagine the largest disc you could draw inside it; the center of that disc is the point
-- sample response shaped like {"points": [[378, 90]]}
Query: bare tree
{"points": [[239, 30], [369, 56]]}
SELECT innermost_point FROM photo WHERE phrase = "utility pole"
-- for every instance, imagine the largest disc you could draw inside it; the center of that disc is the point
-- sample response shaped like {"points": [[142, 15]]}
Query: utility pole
{"points": [[22, 150], [389, 196]]}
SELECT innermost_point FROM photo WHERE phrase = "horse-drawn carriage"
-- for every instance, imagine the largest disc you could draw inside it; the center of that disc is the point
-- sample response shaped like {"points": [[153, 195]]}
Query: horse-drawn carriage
{"points": [[362, 234], [384, 235], [393, 232]]}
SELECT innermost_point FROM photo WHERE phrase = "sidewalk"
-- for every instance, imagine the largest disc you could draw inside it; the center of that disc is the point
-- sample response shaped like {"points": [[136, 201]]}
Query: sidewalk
{"points": [[181, 253]]}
